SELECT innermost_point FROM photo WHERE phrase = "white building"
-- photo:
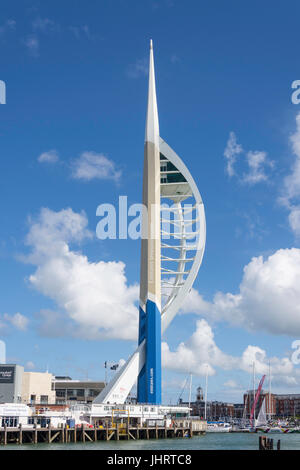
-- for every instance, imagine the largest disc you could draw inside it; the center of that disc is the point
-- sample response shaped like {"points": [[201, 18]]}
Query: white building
{"points": [[37, 388]]}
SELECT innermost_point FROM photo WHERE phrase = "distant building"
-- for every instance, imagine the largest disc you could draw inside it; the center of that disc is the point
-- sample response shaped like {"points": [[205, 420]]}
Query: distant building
{"points": [[75, 391], [11, 378], [37, 388], [42, 390], [214, 409], [288, 405], [270, 401]]}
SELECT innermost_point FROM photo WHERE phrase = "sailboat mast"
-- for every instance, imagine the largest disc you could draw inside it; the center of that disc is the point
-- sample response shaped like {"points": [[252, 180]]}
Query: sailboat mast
{"points": [[269, 407], [205, 404], [253, 391], [190, 394]]}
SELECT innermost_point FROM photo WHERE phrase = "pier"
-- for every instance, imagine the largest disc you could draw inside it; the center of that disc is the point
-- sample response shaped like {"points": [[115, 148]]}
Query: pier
{"points": [[83, 433]]}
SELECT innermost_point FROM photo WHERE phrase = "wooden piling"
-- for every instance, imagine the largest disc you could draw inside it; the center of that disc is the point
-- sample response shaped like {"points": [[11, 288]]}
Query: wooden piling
{"points": [[278, 444], [20, 434], [191, 429]]}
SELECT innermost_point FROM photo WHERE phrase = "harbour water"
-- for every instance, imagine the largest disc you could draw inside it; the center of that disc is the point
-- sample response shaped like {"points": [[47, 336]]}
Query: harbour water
{"points": [[210, 441]]}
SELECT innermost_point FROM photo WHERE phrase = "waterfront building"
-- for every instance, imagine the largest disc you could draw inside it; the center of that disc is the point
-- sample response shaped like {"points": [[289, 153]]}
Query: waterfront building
{"points": [[288, 405], [270, 402], [11, 379], [68, 391], [37, 388]]}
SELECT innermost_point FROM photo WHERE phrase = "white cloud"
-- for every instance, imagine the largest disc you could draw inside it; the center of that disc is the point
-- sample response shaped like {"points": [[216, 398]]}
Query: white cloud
{"points": [[30, 365], [93, 298], [268, 297], [290, 196], [200, 355], [78, 31], [92, 165], [294, 219], [17, 320], [33, 45], [231, 384], [230, 153], [44, 25], [138, 69], [257, 162], [49, 157]]}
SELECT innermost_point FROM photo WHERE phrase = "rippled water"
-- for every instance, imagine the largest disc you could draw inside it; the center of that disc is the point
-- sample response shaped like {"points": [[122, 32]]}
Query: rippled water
{"points": [[210, 441]]}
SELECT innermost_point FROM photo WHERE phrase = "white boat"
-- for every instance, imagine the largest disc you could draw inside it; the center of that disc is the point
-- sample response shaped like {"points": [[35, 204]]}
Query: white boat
{"points": [[216, 426], [261, 423]]}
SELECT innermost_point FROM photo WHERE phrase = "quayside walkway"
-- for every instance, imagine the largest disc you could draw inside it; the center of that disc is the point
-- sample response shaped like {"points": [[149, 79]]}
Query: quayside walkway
{"points": [[83, 433]]}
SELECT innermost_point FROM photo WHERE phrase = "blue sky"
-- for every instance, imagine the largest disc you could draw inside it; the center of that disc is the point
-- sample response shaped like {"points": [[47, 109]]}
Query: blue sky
{"points": [[76, 78]]}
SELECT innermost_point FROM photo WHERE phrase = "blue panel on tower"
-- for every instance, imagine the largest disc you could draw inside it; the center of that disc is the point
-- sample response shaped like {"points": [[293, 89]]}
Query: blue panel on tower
{"points": [[149, 380], [141, 386]]}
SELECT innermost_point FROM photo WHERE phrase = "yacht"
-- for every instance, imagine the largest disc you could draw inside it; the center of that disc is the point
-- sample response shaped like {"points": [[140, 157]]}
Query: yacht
{"points": [[218, 426]]}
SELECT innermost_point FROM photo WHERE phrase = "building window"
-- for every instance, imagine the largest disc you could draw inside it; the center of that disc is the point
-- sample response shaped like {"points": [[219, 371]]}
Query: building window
{"points": [[44, 399], [32, 398], [10, 421]]}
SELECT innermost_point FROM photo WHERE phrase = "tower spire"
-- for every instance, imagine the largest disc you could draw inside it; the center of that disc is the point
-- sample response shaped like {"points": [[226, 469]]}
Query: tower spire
{"points": [[152, 125]]}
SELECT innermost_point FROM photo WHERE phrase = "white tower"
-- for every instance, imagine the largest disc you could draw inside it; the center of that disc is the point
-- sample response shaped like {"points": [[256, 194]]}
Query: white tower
{"points": [[2, 352], [170, 257]]}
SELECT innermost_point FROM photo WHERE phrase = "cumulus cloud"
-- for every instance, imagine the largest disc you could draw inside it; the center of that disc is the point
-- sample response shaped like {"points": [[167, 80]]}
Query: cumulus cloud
{"points": [[18, 321], [231, 384], [138, 69], [79, 31], [48, 157], [230, 153], [93, 299], [44, 25], [32, 44], [92, 165], [257, 162], [200, 355], [290, 196], [268, 298], [30, 365]]}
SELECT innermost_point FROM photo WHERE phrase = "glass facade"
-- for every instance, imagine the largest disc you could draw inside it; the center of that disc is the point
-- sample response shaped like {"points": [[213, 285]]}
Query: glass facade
{"points": [[169, 172]]}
